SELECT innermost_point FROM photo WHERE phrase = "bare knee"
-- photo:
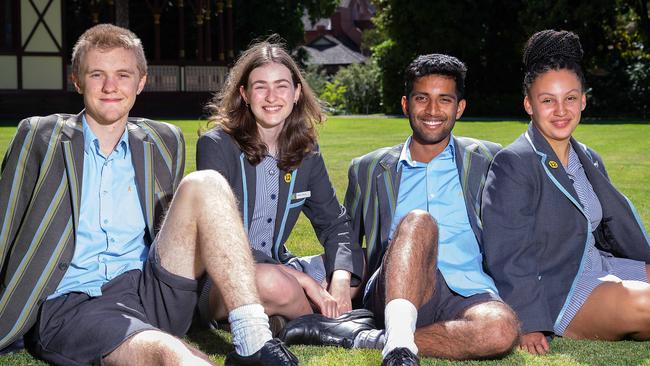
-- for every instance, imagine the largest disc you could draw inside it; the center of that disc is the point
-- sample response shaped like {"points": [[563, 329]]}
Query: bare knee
{"points": [[416, 229], [639, 309], [205, 183], [497, 331], [276, 288]]}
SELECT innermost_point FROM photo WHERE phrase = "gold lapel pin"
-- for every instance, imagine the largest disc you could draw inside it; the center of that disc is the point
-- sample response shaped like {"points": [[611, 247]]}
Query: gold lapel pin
{"points": [[287, 177], [553, 164]]}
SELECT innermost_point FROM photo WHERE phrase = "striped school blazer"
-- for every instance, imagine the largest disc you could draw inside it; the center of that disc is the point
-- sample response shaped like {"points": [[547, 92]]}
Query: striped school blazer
{"points": [[40, 193], [373, 185]]}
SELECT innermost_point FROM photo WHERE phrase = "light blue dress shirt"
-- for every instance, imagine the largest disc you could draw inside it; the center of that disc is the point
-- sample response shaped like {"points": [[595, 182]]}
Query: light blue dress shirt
{"points": [[435, 187], [110, 235]]}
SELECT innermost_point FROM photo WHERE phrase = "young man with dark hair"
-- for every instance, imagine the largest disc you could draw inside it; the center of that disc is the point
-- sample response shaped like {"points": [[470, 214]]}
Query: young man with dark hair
{"points": [[417, 205]]}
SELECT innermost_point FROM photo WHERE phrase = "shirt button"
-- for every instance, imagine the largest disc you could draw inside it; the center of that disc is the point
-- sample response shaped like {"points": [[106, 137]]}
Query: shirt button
{"points": [[271, 172], [63, 266], [269, 220], [263, 243], [273, 196], [105, 221], [112, 240]]}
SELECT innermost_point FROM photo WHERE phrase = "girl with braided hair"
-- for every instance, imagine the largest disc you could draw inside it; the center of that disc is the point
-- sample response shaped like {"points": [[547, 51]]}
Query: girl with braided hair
{"points": [[566, 249]]}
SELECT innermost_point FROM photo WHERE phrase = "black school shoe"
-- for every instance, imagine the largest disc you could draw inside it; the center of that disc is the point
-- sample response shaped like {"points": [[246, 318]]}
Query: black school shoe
{"points": [[401, 356], [319, 330], [273, 353]]}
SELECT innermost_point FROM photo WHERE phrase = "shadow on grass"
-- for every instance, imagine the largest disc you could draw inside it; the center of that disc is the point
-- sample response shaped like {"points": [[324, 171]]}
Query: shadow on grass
{"points": [[212, 342]]}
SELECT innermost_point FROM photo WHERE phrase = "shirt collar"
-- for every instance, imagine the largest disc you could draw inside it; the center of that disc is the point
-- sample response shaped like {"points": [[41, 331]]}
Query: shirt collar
{"points": [[405, 154], [92, 142]]}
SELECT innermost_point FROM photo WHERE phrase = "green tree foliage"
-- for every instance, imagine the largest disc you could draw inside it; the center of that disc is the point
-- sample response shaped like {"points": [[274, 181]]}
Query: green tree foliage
{"points": [[333, 95], [353, 89], [259, 18], [489, 36], [362, 87]]}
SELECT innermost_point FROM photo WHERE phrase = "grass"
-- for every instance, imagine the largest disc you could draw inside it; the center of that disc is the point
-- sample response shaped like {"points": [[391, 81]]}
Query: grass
{"points": [[623, 147]]}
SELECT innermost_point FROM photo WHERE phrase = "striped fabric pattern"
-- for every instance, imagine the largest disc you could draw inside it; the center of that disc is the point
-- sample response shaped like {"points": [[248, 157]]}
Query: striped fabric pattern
{"points": [[262, 227], [40, 187], [599, 266]]}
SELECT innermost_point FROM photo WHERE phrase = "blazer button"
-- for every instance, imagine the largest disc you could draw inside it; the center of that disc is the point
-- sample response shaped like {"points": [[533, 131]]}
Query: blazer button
{"points": [[63, 266]]}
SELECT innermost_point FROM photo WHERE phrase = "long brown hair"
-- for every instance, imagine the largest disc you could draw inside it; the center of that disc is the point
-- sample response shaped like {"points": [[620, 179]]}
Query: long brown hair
{"points": [[229, 111]]}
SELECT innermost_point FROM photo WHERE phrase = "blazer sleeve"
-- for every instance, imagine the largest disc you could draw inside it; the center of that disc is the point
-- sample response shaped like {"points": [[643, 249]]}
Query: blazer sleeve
{"points": [[211, 154], [508, 214], [332, 224], [180, 158], [353, 205], [18, 174]]}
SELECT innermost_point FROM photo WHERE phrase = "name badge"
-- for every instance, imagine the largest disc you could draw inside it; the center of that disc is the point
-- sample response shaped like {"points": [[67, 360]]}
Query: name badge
{"points": [[301, 195]]}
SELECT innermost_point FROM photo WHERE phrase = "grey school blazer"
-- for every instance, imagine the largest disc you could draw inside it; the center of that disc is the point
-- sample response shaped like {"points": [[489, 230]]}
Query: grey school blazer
{"points": [[373, 185], [306, 189], [40, 193], [535, 230]]}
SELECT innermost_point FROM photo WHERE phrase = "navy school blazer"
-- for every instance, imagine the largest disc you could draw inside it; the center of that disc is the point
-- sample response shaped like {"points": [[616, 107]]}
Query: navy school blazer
{"points": [[535, 230], [219, 151]]}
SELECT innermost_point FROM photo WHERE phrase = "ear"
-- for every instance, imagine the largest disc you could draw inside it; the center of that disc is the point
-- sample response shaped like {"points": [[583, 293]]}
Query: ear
{"points": [[583, 102], [405, 105], [296, 94], [461, 108], [242, 92], [527, 106], [77, 83], [142, 83]]}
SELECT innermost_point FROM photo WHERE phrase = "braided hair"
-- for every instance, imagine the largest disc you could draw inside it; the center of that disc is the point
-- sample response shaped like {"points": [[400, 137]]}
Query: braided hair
{"points": [[552, 50]]}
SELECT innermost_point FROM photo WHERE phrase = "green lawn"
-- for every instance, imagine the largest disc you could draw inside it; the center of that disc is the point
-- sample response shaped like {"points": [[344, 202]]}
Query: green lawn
{"points": [[623, 147]]}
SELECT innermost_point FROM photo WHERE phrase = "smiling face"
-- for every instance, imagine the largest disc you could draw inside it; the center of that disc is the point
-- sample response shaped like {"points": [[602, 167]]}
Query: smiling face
{"points": [[271, 94], [109, 81], [554, 102], [432, 108]]}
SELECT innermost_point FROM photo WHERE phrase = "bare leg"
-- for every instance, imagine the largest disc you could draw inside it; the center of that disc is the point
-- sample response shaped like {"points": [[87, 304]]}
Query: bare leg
{"points": [[484, 331], [410, 264], [163, 349], [201, 232], [204, 232], [280, 293], [487, 330], [614, 311]]}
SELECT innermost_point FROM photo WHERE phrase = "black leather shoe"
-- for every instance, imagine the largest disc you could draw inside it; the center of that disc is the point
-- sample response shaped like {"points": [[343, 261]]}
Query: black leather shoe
{"points": [[273, 353], [319, 330], [401, 357]]}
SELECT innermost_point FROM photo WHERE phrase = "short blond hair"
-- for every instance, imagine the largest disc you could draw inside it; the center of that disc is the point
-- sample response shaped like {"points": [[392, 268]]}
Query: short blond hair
{"points": [[106, 37]]}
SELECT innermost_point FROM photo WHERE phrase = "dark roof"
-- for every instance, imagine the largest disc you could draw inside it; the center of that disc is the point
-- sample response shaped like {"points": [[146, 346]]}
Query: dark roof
{"points": [[328, 50]]}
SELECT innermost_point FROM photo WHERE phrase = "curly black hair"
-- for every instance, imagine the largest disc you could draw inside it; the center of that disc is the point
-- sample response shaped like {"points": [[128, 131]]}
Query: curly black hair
{"points": [[552, 50], [436, 64]]}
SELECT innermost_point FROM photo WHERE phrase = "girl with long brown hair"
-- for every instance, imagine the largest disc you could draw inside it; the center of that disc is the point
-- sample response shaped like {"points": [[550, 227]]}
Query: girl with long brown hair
{"points": [[263, 141]]}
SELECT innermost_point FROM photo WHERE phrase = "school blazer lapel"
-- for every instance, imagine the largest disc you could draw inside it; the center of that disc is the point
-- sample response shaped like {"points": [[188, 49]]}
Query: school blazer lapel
{"points": [[472, 166], [552, 166], [142, 160], [72, 145]]}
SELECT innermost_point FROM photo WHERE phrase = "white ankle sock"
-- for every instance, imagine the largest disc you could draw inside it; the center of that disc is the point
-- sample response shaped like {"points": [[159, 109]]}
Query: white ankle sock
{"points": [[370, 339], [400, 317], [249, 326]]}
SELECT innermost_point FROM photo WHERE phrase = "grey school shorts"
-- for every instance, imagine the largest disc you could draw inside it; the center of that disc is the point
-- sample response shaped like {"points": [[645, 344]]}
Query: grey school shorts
{"points": [[76, 329], [444, 305]]}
